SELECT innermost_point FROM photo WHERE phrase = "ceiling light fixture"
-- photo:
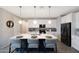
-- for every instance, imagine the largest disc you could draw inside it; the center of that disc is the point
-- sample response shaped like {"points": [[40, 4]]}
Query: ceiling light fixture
{"points": [[20, 21], [35, 22], [49, 22]]}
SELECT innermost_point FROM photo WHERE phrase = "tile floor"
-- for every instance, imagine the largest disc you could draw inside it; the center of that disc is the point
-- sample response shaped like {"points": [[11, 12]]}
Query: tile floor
{"points": [[61, 48]]}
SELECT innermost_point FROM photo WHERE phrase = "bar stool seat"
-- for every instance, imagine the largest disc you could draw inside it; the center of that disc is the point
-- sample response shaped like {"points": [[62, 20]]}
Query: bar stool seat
{"points": [[33, 45], [50, 45]]}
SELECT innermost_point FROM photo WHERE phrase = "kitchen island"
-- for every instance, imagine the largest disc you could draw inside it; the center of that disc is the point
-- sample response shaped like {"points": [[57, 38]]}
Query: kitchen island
{"points": [[36, 42]]}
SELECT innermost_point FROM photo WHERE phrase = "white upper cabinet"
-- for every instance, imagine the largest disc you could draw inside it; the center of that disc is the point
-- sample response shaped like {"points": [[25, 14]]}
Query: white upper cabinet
{"points": [[77, 19], [66, 18]]}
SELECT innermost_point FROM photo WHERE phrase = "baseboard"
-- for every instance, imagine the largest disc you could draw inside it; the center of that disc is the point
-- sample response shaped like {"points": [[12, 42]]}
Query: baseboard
{"points": [[75, 49]]}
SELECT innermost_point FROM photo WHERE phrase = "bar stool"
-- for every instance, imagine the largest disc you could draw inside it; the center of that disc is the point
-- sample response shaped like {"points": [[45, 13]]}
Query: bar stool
{"points": [[33, 45], [15, 44], [50, 45]]}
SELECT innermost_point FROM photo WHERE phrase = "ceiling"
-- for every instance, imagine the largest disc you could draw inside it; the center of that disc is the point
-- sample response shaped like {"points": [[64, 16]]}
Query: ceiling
{"points": [[41, 11]]}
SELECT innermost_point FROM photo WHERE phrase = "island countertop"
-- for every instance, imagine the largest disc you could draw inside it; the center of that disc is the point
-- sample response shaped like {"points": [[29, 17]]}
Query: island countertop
{"points": [[29, 36]]}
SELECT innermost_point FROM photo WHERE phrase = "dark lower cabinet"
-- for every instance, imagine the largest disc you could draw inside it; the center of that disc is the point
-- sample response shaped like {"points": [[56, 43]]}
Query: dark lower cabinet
{"points": [[66, 34]]}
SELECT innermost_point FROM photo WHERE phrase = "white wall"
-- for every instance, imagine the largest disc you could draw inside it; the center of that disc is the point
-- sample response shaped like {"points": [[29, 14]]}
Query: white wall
{"points": [[5, 32], [43, 21], [75, 37], [24, 27], [66, 18], [59, 28]]}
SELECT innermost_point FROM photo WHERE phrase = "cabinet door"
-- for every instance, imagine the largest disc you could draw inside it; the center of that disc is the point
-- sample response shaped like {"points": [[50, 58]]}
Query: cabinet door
{"points": [[66, 33], [69, 34], [63, 33]]}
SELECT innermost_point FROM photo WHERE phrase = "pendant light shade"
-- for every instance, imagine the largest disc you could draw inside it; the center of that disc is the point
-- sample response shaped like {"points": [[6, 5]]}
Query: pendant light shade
{"points": [[20, 22], [49, 22], [35, 22]]}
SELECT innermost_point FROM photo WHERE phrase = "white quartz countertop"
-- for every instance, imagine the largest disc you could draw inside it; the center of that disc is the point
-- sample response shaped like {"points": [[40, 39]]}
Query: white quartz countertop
{"points": [[29, 36]]}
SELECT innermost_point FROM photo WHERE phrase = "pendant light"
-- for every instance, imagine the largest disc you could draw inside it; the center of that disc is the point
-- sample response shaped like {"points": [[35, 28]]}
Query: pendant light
{"points": [[49, 21], [20, 21], [34, 22]]}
